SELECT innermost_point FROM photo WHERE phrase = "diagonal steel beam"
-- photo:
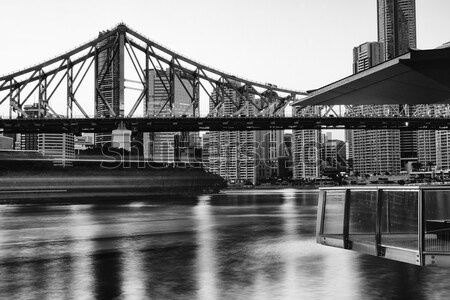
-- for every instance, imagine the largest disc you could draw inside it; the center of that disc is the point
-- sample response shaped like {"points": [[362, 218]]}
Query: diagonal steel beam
{"points": [[74, 100], [84, 75], [137, 103], [102, 97]]}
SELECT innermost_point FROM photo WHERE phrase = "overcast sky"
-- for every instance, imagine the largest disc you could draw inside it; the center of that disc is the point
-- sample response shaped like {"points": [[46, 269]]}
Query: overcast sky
{"points": [[298, 44]]}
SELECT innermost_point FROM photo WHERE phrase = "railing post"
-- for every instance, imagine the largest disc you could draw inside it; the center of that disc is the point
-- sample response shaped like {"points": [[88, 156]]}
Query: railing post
{"points": [[346, 225], [379, 250], [422, 223]]}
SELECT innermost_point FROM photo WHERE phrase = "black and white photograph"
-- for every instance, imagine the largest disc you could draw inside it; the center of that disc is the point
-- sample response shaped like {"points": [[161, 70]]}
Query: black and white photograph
{"points": [[215, 150]]}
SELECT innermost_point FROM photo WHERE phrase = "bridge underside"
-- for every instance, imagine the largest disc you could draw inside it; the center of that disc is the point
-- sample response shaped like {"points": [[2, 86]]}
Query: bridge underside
{"points": [[218, 124], [417, 77]]}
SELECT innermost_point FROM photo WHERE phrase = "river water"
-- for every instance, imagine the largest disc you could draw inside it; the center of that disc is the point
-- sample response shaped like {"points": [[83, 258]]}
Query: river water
{"points": [[233, 245]]}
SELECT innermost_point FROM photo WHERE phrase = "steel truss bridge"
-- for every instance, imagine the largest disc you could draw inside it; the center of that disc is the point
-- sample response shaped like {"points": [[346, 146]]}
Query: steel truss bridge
{"points": [[83, 90]]}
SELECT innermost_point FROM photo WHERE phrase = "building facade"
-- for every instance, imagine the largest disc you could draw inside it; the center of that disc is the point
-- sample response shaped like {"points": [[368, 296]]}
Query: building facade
{"points": [[396, 26], [306, 148], [367, 55], [385, 151], [397, 31], [333, 155], [205, 151], [269, 151], [232, 154], [29, 141], [59, 147], [170, 147], [110, 86]]}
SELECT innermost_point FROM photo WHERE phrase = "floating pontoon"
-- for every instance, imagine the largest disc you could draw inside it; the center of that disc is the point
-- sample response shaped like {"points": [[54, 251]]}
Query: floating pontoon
{"points": [[410, 224]]}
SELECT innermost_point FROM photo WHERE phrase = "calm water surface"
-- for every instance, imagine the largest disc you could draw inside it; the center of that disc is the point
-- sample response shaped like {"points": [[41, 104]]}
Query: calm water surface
{"points": [[233, 245]]}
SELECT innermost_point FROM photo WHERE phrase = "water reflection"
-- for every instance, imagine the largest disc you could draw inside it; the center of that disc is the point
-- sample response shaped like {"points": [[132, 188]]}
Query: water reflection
{"points": [[206, 259], [134, 277], [82, 229], [291, 288], [237, 245]]}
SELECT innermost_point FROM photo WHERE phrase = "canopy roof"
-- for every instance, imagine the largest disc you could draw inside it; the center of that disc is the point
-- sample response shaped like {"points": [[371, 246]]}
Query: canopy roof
{"points": [[417, 77]]}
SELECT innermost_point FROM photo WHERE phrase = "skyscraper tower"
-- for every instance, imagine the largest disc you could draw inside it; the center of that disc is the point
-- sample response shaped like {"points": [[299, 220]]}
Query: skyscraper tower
{"points": [[109, 82], [397, 30], [397, 34], [306, 147], [232, 154], [374, 151], [367, 55], [397, 26]]}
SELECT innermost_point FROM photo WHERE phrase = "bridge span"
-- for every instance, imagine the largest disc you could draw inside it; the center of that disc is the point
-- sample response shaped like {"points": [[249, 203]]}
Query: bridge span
{"points": [[168, 87], [57, 125]]}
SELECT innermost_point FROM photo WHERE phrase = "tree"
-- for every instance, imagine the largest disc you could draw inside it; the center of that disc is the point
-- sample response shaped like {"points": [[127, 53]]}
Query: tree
{"points": [[416, 166]]}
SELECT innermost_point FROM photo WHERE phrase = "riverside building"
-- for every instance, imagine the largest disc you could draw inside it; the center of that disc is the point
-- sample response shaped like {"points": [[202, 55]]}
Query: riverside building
{"points": [[232, 153], [306, 148]]}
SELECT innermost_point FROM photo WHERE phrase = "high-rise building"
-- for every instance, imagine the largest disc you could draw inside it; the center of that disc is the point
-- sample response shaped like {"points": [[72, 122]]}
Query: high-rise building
{"points": [[205, 151], [333, 154], [170, 147], [367, 55], [397, 30], [375, 151], [269, 149], [110, 84], [397, 26], [350, 148], [434, 146], [396, 35], [426, 147], [442, 150], [306, 148], [232, 153], [285, 162]]}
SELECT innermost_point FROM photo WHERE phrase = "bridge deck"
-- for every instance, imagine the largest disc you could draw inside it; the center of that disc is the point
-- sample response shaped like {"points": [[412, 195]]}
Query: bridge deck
{"points": [[219, 124]]}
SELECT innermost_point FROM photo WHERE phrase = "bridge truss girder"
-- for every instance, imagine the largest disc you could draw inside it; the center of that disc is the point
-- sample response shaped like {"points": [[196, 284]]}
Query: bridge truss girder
{"points": [[176, 124], [101, 58]]}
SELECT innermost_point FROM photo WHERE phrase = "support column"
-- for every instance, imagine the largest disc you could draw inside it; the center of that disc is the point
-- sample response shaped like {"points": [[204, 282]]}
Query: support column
{"points": [[96, 87], [147, 83], [42, 104], [172, 86], [69, 89], [121, 72], [195, 93]]}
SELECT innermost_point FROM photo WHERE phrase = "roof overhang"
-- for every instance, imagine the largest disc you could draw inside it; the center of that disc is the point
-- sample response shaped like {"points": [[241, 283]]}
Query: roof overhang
{"points": [[417, 77]]}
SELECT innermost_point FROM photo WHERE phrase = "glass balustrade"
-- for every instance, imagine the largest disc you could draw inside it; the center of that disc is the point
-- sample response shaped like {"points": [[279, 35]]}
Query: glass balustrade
{"points": [[404, 223]]}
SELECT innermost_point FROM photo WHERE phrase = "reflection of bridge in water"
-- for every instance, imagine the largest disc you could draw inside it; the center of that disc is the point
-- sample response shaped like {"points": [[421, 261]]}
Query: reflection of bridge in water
{"points": [[101, 69]]}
